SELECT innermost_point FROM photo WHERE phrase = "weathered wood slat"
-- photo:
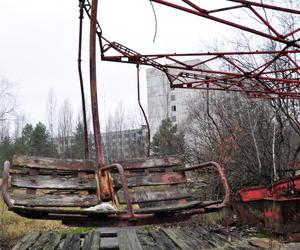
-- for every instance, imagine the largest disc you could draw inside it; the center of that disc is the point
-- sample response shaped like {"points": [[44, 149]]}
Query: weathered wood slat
{"points": [[72, 242], [23, 170], [169, 208], [92, 241], [151, 162], [176, 236], [148, 195], [52, 163], [27, 241], [128, 240], [62, 211], [109, 243], [47, 241], [50, 182], [70, 200], [163, 241], [151, 179]]}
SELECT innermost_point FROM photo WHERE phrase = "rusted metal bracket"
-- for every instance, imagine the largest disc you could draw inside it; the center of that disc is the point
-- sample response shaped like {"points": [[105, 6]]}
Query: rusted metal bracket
{"points": [[5, 184]]}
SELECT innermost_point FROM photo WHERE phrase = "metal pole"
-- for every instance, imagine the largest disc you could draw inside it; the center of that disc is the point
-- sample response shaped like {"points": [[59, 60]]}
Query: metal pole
{"points": [[103, 187], [85, 132]]}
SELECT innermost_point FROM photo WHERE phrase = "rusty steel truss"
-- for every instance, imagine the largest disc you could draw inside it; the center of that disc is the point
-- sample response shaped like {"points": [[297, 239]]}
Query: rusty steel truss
{"points": [[274, 74]]}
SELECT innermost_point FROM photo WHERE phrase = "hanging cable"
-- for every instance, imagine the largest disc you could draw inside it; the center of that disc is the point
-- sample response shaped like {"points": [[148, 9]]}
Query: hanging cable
{"points": [[143, 111], [85, 132], [155, 20]]}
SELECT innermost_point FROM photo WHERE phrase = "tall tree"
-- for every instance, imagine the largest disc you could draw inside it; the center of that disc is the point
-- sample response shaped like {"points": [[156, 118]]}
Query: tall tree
{"points": [[26, 140], [65, 129], [40, 140], [168, 140], [77, 147]]}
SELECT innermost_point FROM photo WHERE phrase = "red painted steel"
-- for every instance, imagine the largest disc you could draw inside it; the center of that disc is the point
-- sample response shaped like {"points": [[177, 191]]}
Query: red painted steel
{"points": [[261, 81], [282, 189]]}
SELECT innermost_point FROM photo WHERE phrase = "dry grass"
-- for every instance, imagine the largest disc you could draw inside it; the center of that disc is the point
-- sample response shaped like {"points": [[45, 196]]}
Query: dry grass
{"points": [[13, 226]]}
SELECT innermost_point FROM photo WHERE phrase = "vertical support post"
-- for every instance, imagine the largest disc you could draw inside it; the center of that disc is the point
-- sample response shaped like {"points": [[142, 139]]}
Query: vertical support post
{"points": [[103, 190]]}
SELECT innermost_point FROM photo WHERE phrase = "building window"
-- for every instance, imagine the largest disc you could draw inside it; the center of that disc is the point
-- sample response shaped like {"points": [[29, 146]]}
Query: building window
{"points": [[173, 118], [173, 108], [172, 97]]}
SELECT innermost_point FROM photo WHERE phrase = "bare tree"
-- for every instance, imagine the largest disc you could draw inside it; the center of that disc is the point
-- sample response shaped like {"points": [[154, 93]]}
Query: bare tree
{"points": [[7, 99], [65, 128]]}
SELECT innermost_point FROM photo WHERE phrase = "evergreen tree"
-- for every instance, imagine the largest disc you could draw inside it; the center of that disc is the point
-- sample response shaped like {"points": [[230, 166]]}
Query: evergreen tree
{"points": [[167, 141], [77, 147], [40, 140], [25, 145], [6, 150]]}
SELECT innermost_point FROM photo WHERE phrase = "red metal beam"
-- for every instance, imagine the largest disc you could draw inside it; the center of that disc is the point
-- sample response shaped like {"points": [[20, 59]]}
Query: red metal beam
{"points": [[196, 9]]}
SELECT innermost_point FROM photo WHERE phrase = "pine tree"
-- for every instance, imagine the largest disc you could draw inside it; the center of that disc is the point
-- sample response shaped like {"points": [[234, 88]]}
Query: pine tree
{"points": [[77, 147], [167, 141], [40, 140], [6, 150], [25, 145]]}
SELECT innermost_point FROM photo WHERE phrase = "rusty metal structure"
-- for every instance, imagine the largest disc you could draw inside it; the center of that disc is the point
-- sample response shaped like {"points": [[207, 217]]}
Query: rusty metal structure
{"points": [[263, 80], [275, 208], [119, 183]]}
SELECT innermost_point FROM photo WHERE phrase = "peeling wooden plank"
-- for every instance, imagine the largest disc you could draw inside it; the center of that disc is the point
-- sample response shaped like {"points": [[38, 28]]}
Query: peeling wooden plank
{"points": [[70, 200], [52, 163], [151, 162], [128, 240], [170, 208], [151, 179], [50, 182], [150, 194]]}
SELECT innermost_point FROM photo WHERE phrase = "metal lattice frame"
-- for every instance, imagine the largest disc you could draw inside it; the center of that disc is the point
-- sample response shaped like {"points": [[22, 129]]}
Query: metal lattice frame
{"points": [[277, 75]]}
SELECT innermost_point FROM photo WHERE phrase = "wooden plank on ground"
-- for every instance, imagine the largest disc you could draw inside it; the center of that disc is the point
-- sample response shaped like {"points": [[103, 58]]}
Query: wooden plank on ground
{"points": [[151, 179], [52, 163], [92, 241], [69, 200], [109, 243], [27, 241], [50, 182], [72, 242], [128, 240], [163, 241], [176, 236], [47, 241]]}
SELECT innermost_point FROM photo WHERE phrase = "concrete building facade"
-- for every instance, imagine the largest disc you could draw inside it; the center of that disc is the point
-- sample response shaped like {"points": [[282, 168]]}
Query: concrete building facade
{"points": [[163, 101]]}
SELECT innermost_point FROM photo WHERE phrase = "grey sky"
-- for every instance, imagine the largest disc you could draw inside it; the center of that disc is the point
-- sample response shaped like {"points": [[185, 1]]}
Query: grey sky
{"points": [[38, 48]]}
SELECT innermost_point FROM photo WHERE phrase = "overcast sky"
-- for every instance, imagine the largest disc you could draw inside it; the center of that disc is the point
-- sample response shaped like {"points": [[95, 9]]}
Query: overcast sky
{"points": [[38, 48]]}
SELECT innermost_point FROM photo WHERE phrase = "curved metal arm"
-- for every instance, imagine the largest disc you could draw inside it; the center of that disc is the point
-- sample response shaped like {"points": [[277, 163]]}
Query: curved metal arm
{"points": [[5, 184], [124, 185], [224, 181]]}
